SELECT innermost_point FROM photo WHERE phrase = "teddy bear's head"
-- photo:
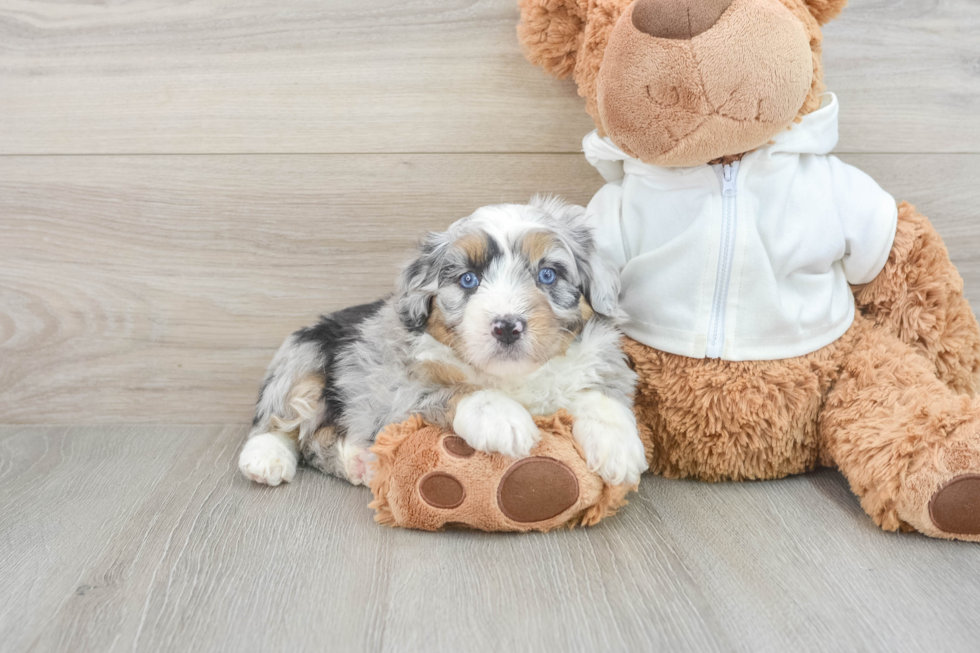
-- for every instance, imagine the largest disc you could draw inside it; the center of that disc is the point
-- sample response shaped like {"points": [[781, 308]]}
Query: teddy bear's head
{"points": [[684, 82]]}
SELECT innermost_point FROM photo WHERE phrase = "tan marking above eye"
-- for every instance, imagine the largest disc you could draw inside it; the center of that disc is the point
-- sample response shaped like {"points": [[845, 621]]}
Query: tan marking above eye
{"points": [[476, 248], [536, 244]]}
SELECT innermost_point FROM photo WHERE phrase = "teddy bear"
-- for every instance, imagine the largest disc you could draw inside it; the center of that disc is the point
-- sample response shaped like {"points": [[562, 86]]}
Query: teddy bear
{"points": [[785, 312]]}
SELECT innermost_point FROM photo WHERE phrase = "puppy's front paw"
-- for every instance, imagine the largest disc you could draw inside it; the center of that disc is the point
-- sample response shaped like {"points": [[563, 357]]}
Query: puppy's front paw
{"points": [[493, 422], [358, 463], [268, 458], [606, 429]]}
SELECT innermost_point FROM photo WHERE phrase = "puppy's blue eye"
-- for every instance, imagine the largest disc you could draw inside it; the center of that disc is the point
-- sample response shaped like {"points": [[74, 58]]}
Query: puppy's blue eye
{"points": [[469, 281], [547, 276]]}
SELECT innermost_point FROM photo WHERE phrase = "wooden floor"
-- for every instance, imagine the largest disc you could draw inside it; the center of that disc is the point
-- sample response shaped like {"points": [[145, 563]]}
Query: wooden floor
{"points": [[183, 183], [147, 539]]}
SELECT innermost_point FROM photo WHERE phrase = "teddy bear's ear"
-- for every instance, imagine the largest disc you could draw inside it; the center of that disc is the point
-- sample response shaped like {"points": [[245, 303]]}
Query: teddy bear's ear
{"points": [[551, 32], [825, 10]]}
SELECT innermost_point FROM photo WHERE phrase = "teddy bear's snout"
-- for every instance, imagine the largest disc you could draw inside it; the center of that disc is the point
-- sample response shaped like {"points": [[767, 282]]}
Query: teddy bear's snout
{"points": [[677, 19]]}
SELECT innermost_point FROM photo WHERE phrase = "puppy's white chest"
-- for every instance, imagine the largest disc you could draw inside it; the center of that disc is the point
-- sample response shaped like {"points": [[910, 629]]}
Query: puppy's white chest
{"points": [[551, 387], [554, 385]]}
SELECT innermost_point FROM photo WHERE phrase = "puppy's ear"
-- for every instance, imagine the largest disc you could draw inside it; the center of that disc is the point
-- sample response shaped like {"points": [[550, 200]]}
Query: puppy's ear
{"points": [[600, 285], [825, 10], [598, 280], [418, 283], [551, 33]]}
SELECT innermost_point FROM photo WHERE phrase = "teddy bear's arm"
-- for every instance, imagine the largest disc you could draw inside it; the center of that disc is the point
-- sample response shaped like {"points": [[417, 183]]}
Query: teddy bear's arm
{"points": [[868, 219], [919, 297], [903, 278]]}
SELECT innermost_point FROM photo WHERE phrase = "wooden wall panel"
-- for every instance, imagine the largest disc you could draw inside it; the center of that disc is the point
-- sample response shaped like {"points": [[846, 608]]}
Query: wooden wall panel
{"points": [[233, 76], [156, 288]]}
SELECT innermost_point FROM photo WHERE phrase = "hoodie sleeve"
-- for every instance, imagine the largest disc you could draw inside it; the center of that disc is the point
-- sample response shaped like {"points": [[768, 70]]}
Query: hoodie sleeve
{"points": [[868, 217], [603, 156], [604, 214]]}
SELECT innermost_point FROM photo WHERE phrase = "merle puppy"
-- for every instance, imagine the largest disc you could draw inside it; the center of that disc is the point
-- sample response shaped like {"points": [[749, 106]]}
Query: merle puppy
{"points": [[508, 313]]}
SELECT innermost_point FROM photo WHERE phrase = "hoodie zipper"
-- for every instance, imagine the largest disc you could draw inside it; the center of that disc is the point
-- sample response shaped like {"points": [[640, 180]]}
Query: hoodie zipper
{"points": [[726, 254]]}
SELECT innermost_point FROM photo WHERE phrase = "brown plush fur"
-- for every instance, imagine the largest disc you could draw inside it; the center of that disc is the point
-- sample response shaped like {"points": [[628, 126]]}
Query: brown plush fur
{"points": [[919, 298], [895, 430], [891, 403]]}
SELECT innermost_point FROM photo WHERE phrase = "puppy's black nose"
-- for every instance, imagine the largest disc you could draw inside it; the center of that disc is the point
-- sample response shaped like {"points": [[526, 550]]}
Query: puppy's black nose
{"points": [[508, 329]]}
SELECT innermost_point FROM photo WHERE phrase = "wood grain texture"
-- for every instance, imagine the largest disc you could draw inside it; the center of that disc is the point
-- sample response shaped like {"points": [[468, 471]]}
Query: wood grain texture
{"points": [[147, 539], [157, 288], [179, 276], [383, 76]]}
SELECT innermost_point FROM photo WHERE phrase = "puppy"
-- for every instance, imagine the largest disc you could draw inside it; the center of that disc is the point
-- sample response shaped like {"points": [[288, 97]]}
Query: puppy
{"points": [[509, 313]]}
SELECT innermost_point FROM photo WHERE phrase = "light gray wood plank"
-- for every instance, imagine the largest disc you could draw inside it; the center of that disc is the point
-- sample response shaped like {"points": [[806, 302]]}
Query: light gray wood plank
{"points": [[882, 53], [382, 76], [179, 276], [204, 560], [795, 564], [157, 288], [64, 499], [146, 538]]}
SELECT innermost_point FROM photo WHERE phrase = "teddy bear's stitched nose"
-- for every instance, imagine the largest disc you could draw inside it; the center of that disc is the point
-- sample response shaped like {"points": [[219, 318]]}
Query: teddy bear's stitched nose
{"points": [[677, 19]]}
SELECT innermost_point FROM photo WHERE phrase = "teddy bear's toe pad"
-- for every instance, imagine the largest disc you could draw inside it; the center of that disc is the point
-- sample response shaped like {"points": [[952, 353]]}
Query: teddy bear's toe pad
{"points": [[441, 490], [457, 446], [955, 507], [536, 489]]}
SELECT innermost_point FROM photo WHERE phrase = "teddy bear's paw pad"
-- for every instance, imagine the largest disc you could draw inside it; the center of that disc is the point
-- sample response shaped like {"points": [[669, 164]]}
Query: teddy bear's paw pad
{"points": [[536, 489], [955, 507], [441, 490], [457, 446]]}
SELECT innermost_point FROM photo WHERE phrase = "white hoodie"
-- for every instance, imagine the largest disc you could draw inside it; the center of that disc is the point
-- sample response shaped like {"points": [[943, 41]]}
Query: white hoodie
{"points": [[743, 262]]}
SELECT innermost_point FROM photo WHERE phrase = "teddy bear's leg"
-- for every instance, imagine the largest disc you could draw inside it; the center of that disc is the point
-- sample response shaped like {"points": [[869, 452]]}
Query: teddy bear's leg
{"points": [[918, 296], [717, 420], [908, 445]]}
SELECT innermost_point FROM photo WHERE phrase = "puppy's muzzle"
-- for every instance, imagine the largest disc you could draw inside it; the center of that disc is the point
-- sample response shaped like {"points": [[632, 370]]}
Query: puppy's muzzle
{"points": [[508, 329]]}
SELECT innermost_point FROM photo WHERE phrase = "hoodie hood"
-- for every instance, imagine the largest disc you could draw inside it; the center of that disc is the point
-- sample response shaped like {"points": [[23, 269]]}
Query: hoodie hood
{"points": [[816, 133]]}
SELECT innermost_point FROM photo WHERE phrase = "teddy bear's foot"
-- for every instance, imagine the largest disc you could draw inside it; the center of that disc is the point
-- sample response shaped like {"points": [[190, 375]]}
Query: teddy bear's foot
{"points": [[431, 479], [941, 494], [955, 507]]}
